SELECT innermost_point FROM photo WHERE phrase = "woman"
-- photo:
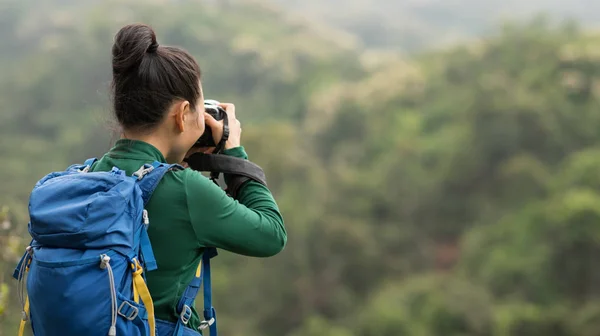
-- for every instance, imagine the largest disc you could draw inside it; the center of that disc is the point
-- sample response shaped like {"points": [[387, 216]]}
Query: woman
{"points": [[158, 102]]}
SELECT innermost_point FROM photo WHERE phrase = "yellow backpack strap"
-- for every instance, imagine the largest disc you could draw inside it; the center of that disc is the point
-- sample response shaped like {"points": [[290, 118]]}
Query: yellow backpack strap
{"points": [[141, 291], [136, 295], [24, 269], [24, 318]]}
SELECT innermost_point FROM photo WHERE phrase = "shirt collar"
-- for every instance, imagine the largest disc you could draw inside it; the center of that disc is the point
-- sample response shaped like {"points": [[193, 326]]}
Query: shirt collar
{"points": [[137, 150]]}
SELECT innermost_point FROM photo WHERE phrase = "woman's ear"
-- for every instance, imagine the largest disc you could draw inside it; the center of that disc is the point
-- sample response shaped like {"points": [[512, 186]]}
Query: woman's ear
{"points": [[180, 112]]}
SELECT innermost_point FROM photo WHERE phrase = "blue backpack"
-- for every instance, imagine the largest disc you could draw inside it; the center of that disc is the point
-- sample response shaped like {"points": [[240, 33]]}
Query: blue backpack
{"points": [[89, 255]]}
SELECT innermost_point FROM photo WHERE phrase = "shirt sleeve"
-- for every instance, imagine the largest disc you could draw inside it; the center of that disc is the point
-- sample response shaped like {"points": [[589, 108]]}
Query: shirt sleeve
{"points": [[252, 225]]}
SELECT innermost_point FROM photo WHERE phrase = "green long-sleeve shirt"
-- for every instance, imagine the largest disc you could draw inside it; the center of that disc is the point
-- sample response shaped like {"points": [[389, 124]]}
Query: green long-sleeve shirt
{"points": [[187, 213]]}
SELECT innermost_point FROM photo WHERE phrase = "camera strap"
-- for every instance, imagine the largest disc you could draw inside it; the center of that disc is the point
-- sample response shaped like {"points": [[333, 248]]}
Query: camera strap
{"points": [[226, 164], [224, 137], [241, 169], [214, 175]]}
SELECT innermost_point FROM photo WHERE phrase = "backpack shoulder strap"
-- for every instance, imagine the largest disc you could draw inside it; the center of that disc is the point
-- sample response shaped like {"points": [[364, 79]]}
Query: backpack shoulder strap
{"points": [[186, 302], [82, 168], [210, 315], [149, 175], [90, 162]]}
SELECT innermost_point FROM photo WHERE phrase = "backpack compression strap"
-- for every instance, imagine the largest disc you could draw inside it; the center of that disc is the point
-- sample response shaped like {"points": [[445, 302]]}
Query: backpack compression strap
{"points": [[189, 295]]}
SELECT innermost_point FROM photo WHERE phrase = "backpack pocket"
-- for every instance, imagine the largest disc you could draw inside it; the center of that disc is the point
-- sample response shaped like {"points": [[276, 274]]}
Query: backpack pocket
{"points": [[89, 293], [83, 211]]}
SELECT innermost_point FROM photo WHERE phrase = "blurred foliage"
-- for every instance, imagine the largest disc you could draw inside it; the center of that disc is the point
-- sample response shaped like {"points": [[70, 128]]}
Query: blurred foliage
{"points": [[412, 25], [453, 193]]}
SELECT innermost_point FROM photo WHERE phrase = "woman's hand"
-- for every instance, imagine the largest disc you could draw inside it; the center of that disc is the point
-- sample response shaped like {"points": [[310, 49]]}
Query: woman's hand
{"points": [[235, 132], [235, 129]]}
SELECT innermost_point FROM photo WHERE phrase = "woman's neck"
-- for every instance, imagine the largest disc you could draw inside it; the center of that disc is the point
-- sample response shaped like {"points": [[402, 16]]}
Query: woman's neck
{"points": [[157, 140]]}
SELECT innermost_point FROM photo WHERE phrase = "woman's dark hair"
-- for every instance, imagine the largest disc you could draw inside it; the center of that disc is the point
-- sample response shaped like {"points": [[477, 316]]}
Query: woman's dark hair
{"points": [[148, 78]]}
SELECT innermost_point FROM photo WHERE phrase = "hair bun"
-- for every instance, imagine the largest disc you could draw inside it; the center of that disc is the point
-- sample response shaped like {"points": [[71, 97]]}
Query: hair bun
{"points": [[132, 42], [153, 47]]}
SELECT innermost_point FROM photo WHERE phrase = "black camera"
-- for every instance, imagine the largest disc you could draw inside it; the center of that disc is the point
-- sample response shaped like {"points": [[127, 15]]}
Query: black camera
{"points": [[212, 107], [217, 163]]}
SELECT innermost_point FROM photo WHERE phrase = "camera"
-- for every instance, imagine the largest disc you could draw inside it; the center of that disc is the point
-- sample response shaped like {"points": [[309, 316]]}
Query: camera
{"points": [[212, 107], [216, 163]]}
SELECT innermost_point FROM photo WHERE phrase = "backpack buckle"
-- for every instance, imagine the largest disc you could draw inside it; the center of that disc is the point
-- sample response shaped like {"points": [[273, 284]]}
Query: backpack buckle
{"points": [[205, 324], [145, 169], [130, 312], [186, 314]]}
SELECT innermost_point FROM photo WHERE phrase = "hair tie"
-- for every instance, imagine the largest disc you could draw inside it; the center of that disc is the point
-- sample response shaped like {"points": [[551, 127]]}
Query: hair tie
{"points": [[152, 48]]}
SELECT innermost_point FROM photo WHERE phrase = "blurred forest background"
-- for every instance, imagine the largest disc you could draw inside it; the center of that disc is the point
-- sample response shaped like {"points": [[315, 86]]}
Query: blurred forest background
{"points": [[437, 161]]}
